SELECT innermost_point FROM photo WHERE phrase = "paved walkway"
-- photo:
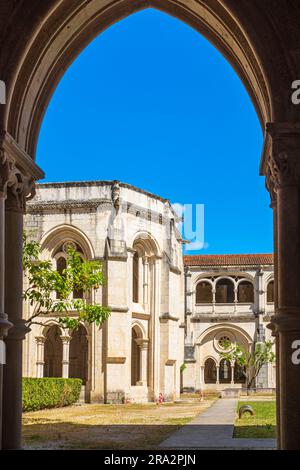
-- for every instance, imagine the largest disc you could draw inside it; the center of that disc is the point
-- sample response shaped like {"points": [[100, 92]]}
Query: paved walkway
{"points": [[213, 429]]}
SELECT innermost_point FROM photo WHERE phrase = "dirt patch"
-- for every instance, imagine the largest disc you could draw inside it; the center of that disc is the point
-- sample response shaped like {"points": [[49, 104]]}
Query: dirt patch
{"points": [[107, 426]]}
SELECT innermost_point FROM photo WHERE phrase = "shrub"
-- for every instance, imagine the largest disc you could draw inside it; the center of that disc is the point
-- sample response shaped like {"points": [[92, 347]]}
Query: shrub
{"points": [[44, 393]]}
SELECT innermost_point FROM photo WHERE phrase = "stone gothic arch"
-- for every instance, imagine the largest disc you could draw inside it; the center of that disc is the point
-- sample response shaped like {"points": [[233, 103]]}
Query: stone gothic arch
{"points": [[53, 352], [39, 41]]}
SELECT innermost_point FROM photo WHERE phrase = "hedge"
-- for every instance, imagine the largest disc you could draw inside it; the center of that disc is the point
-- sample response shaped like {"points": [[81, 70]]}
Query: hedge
{"points": [[44, 393]]}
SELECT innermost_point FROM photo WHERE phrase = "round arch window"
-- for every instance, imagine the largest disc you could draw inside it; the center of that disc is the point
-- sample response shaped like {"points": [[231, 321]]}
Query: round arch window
{"points": [[225, 291], [245, 292], [204, 294], [223, 339]]}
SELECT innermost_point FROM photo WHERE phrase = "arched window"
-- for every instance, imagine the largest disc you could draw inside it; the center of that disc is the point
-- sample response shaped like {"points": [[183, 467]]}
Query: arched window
{"points": [[239, 376], [135, 278], [135, 357], [78, 293], [245, 292], [79, 355], [225, 372], [204, 293], [61, 264], [225, 292], [53, 353], [270, 292], [210, 371]]}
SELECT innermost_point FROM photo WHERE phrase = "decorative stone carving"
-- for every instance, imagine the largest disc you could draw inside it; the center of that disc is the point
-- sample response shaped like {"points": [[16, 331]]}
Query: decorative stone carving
{"points": [[15, 183], [69, 244], [115, 195], [283, 169], [282, 166]]}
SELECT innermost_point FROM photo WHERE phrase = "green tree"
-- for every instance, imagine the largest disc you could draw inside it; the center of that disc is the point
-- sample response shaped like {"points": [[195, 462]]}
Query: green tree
{"points": [[251, 362], [43, 282]]}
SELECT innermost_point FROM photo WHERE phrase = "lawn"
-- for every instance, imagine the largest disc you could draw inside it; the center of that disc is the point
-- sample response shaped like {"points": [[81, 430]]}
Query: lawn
{"points": [[113, 427], [261, 425]]}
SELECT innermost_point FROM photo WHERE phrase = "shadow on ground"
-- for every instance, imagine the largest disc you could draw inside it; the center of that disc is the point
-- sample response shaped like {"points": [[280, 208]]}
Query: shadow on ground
{"points": [[267, 431], [112, 437]]}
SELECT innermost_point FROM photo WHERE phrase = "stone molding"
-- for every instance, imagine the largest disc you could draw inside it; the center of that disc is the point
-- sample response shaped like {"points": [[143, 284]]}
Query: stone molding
{"points": [[170, 362], [141, 316], [92, 205], [167, 316], [213, 317], [174, 269], [18, 174], [116, 360], [120, 309]]}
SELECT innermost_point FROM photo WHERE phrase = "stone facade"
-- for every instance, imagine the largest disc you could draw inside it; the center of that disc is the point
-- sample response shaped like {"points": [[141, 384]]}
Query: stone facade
{"points": [[137, 353], [227, 297], [158, 318]]}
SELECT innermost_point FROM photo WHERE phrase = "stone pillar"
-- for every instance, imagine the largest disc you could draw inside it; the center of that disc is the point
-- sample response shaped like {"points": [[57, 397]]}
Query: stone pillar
{"points": [[20, 172], [66, 356], [40, 343], [143, 345], [282, 170], [188, 304], [12, 388], [146, 284], [214, 299], [155, 340], [235, 298], [202, 381], [218, 375], [232, 372], [4, 323]]}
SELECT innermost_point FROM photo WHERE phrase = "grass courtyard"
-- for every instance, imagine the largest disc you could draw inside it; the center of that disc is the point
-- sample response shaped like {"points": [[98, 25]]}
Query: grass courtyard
{"points": [[108, 426], [261, 425]]}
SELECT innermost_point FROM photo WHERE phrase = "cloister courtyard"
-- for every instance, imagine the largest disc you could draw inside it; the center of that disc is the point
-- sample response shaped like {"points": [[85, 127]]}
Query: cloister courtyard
{"points": [[138, 426]]}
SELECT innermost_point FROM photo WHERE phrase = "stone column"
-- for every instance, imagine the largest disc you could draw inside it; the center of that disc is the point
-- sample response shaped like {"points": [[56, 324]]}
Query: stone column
{"points": [[235, 298], [202, 381], [232, 372], [146, 283], [218, 375], [4, 323], [155, 340], [143, 345], [40, 342], [214, 299], [282, 169], [19, 173], [12, 388], [66, 356], [188, 304]]}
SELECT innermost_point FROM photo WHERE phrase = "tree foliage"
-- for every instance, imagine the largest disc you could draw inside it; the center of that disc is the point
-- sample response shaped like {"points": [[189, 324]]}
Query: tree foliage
{"points": [[251, 362], [51, 292]]}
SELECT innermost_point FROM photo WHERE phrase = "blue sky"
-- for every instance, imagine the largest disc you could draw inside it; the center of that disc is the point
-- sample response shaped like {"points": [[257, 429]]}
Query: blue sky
{"points": [[152, 103]]}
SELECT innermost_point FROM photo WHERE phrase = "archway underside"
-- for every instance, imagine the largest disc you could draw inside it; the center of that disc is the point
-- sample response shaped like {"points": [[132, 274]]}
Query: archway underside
{"points": [[71, 26]]}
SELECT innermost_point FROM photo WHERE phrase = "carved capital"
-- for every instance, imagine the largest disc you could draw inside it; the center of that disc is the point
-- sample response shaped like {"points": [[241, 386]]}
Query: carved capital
{"points": [[4, 173], [282, 161], [20, 189], [18, 173], [143, 343]]}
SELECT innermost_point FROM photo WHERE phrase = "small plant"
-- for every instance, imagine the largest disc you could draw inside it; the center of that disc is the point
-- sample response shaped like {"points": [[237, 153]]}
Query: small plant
{"points": [[250, 362]]}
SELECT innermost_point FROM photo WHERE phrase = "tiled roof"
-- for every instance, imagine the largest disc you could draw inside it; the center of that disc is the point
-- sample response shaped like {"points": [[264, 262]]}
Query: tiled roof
{"points": [[228, 260]]}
